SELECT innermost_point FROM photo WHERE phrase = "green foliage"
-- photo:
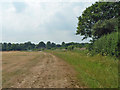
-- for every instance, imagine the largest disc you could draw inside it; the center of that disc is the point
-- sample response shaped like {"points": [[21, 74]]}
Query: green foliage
{"points": [[17, 47], [63, 44], [98, 11], [71, 47], [48, 45], [0, 46], [53, 45], [28, 46], [106, 45], [104, 27], [100, 21], [41, 45]]}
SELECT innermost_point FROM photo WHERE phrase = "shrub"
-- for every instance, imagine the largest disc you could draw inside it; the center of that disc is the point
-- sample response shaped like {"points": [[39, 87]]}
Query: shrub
{"points": [[71, 47], [107, 45]]}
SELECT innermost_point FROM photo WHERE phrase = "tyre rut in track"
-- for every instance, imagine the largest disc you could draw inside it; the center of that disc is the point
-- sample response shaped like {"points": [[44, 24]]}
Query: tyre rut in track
{"points": [[50, 72]]}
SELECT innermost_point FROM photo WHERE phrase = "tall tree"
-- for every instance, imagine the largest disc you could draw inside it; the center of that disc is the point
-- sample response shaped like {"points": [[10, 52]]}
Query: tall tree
{"points": [[14, 47], [4, 46], [104, 27], [29, 45], [9, 46], [0, 46], [53, 45], [63, 44], [48, 45], [98, 11], [41, 45]]}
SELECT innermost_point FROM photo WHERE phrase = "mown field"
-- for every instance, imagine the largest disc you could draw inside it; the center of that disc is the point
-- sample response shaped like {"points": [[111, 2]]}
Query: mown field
{"points": [[92, 71]]}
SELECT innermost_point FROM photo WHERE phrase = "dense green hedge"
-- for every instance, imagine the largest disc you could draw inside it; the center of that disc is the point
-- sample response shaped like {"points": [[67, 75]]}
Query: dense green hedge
{"points": [[106, 45]]}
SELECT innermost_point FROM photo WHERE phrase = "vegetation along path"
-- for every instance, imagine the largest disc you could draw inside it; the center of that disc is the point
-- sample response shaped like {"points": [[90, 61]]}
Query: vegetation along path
{"points": [[36, 70]]}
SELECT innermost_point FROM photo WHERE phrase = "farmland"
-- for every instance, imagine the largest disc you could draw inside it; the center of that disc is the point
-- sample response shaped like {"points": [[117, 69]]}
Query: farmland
{"points": [[36, 70], [40, 48], [58, 69]]}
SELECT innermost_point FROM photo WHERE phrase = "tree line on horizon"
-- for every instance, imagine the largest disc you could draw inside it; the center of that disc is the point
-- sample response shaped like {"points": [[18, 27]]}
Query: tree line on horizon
{"points": [[40, 46], [100, 21]]}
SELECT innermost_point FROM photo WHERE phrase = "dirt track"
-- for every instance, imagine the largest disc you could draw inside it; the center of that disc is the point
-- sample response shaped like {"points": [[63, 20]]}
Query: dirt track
{"points": [[37, 70]]}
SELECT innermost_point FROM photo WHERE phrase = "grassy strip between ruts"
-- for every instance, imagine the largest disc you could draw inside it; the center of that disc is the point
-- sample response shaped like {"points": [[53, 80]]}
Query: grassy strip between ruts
{"points": [[93, 71]]}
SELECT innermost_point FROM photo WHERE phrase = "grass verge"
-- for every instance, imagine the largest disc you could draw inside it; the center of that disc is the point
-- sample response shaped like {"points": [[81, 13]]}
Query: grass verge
{"points": [[93, 71]]}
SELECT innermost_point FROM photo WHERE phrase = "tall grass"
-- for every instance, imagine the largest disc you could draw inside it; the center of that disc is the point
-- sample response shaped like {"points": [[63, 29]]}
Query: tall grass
{"points": [[93, 71]]}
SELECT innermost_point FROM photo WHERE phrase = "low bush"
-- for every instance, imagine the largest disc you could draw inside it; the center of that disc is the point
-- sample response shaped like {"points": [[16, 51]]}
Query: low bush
{"points": [[107, 45], [71, 47]]}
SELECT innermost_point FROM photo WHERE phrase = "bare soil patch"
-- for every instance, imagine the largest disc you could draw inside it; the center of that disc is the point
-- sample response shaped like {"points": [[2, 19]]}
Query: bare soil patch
{"points": [[36, 70]]}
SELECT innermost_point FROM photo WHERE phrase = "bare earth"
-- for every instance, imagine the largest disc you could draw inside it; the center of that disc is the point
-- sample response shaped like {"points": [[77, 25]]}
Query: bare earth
{"points": [[36, 70]]}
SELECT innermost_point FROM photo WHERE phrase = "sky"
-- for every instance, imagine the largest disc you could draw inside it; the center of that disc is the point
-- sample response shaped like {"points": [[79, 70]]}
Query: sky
{"points": [[38, 20]]}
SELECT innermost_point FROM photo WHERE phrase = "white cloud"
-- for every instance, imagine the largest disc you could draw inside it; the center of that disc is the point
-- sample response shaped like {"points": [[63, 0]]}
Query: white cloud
{"points": [[49, 0], [38, 21]]}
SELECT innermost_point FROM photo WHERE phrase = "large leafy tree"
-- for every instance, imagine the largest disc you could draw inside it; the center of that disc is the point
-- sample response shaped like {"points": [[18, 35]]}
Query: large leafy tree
{"points": [[98, 11], [29, 45], [41, 45], [63, 44], [4, 46], [53, 45], [48, 45], [104, 27]]}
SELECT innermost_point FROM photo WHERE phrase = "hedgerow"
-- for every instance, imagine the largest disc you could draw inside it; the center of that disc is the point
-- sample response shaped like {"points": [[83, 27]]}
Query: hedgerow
{"points": [[107, 45]]}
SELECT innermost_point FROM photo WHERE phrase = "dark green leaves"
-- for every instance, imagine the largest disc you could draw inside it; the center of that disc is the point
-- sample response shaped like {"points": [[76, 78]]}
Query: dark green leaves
{"points": [[98, 12]]}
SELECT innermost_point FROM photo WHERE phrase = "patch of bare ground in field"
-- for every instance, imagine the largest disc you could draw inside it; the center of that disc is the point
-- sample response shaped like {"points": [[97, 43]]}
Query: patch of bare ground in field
{"points": [[36, 70]]}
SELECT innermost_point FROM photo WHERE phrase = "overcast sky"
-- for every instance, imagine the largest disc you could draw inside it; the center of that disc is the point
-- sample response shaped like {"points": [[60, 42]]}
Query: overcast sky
{"points": [[34, 21]]}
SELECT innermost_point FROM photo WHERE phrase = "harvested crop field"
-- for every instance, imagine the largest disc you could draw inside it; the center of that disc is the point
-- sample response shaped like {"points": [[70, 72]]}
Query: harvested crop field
{"points": [[36, 70]]}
